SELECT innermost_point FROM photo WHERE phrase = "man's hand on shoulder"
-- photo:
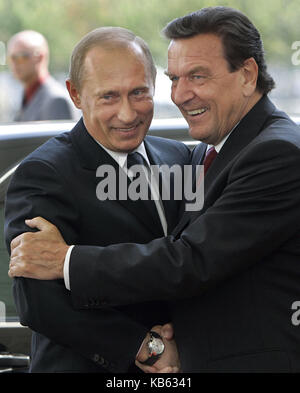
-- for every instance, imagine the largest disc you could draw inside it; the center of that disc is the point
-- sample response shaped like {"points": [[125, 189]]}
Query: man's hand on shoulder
{"points": [[38, 255]]}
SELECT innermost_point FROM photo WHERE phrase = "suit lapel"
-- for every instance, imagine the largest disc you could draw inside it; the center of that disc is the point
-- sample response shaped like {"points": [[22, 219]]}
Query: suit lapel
{"points": [[248, 128], [91, 156], [30, 110], [89, 152]]}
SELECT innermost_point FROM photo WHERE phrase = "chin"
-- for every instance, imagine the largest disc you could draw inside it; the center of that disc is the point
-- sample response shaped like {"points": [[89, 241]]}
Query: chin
{"points": [[197, 134]]}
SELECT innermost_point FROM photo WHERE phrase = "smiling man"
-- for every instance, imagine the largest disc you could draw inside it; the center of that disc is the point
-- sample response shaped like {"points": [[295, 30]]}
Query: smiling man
{"points": [[211, 97], [115, 95], [112, 80], [231, 269]]}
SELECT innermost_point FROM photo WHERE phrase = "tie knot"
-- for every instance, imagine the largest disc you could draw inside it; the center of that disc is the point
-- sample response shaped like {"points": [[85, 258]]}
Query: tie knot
{"points": [[211, 154], [134, 159]]}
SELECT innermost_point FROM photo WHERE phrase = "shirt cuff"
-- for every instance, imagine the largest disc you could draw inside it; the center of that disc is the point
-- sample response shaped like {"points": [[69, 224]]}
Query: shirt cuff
{"points": [[66, 268]]}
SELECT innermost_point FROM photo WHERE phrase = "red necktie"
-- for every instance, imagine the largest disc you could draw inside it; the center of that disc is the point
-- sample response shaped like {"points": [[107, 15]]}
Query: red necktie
{"points": [[211, 154]]}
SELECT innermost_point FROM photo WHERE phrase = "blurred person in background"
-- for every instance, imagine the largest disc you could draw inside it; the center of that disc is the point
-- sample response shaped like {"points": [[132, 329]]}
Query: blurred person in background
{"points": [[44, 98]]}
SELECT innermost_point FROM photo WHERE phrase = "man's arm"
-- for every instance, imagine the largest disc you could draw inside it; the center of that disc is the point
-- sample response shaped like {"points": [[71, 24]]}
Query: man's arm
{"points": [[256, 213]]}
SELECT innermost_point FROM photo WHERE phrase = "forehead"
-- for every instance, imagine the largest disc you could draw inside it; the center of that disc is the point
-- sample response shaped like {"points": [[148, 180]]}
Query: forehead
{"points": [[203, 49], [19, 46], [109, 63]]}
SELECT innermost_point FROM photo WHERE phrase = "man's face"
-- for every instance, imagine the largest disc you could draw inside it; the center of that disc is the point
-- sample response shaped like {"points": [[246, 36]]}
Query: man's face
{"points": [[116, 97], [211, 98], [22, 61]]}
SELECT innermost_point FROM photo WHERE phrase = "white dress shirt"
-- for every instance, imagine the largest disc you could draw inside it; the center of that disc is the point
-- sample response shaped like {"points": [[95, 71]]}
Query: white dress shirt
{"points": [[121, 159]]}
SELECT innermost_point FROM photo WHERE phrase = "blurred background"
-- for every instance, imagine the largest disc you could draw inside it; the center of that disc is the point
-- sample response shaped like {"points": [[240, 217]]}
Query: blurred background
{"points": [[64, 22]]}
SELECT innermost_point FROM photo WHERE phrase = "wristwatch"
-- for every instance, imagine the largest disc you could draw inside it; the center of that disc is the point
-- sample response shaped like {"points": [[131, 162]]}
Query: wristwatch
{"points": [[155, 348]]}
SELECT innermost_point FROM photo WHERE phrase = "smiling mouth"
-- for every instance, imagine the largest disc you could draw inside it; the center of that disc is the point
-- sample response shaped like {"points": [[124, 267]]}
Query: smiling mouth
{"points": [[196, 112], [126, 129]]}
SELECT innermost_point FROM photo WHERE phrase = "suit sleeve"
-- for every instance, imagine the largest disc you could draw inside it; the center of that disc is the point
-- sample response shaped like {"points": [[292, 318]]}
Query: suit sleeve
{"points": [[45, 306], [256, 212]]}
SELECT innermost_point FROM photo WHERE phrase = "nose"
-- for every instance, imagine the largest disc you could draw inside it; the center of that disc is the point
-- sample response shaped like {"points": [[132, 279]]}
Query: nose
{"points": [[127, 114], [181, 92]]}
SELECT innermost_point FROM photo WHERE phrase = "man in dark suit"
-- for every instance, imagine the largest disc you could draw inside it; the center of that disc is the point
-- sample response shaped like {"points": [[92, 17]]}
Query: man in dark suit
{"points": [[44, 98], [231, 269], [112, 79]]}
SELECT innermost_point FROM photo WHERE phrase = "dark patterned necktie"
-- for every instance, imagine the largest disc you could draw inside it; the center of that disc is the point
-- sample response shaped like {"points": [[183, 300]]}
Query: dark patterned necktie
{"points": [[137, 159], [211, 154]]}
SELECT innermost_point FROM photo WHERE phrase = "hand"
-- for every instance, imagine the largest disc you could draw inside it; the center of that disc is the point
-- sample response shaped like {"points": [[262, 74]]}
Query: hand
{"points": [[169, 360], [40, 254]]}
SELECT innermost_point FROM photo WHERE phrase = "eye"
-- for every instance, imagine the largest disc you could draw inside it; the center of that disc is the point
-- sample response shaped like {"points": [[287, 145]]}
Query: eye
{"points": [[107, 97], [197, 77], [138, 92], [173, 78]]}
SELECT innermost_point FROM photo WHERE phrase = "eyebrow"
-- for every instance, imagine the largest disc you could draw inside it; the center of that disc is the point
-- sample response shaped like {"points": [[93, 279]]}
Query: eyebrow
{"points": [[192, 71], [115, 92], [140, 88], [105, 92]]}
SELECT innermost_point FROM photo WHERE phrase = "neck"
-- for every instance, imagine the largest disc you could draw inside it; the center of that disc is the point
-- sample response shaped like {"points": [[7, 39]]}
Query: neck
{"points": [[253, 100]]}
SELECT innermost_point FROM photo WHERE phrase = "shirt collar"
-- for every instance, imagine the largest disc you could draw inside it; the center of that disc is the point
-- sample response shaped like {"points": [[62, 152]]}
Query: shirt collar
{"points": [[121, 158], [219, 146]]}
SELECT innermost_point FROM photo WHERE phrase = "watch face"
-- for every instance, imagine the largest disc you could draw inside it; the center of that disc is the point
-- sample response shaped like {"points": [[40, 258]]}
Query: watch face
{"points": [[156, 346]]}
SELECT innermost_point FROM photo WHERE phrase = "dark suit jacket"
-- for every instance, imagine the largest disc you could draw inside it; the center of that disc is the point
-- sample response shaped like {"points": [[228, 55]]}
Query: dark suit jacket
{"points": [[232, 269], [58, 181], [50, 102]]}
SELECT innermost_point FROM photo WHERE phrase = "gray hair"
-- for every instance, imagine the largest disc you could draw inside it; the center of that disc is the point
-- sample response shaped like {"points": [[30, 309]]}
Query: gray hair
{"points": [[106, 37], [241, 40]]}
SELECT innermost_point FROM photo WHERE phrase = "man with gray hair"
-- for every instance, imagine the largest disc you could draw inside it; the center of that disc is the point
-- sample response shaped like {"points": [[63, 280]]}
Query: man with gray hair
{"points": [[112, 80], [44, 98]]}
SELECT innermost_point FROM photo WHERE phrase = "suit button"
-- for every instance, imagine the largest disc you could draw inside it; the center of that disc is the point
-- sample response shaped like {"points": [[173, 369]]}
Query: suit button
{"points": [[98, 359]]}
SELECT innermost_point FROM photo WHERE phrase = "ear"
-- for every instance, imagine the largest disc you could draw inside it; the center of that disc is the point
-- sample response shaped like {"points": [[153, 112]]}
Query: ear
{"points": [[250, 74], [74, 93], [38, 57]]}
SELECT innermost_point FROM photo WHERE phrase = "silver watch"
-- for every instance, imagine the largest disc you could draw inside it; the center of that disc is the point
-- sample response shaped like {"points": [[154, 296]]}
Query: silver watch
{"points": [[155, 348]]}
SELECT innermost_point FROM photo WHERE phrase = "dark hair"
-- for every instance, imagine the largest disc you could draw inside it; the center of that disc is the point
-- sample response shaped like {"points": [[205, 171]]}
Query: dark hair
{"points": [[241, 40]]}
